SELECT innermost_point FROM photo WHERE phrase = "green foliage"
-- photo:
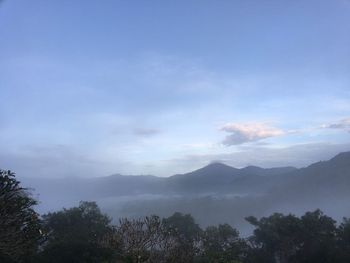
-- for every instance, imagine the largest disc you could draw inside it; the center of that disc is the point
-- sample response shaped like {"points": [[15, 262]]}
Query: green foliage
{"points": [[188, 235], [314, 237], [83, 234], [76, 235], [275, 238], [19, 223], [318, 238], [221, 244], [344, 240], [185, 226]]}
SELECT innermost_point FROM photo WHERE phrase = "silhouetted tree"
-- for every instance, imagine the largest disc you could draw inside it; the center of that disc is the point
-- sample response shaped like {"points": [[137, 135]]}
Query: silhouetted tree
{"points": [[19, 223], [344, 241], [289, 239], [76, 235], [221, 244], [188, 234], [145, 240], [276, 238], [318, 238]]}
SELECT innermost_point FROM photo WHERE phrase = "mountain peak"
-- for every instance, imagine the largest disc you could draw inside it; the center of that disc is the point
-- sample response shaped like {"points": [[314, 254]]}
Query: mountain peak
{"points": [[217, 165]]}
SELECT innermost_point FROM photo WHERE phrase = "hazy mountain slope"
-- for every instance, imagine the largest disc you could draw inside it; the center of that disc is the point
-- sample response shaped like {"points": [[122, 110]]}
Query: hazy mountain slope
{"points": [[268, 171], [221, 178], [214, 193], [324, 185], [213, 177], [326, 179], [216, 178]]}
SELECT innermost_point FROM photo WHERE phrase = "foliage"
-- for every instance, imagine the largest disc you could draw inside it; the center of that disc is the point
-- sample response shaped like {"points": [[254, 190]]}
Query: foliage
{"points": [[188, 235], [19, 223], [76, 234], [144, 240], [84, 235], [344, 240], [275, 238], [310, 238], [221, 244]]}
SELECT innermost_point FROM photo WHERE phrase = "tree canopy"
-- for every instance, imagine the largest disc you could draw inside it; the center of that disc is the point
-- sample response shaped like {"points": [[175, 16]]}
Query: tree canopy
{"points": [[20, 231], [83, 234], [76, 234]]}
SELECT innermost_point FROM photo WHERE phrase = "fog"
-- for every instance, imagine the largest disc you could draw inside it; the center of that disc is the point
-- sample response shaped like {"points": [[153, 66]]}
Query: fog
{"points": [[214, 194]]}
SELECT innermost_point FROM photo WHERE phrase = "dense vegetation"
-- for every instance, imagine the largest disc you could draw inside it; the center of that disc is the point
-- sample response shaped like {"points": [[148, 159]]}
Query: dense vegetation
{"points": [[84, 234]]}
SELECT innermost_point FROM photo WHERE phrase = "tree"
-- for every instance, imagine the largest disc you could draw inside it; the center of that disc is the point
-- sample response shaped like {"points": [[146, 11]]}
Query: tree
{"points": [[276, 238], [76, 235], [289, 239], [344, 241], [188, 234], [318, 238], [145, 240], [19, 224], [221, 244]]}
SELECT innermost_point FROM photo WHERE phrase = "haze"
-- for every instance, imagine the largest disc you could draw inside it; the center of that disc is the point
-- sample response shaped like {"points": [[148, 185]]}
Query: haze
{"points": [[153, 107]]}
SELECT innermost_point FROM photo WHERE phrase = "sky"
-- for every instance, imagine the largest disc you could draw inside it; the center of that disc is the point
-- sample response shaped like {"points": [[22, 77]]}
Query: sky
{"points": [[93, 88]]}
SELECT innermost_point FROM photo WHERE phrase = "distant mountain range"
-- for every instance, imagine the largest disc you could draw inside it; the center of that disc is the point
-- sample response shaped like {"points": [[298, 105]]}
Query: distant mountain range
{"points": [[227, 193], [333, 175]]}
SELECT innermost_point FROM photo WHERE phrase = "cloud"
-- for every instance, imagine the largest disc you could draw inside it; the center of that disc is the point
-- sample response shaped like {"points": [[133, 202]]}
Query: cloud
{"points": [[145, 132], [343, 124], [248, 132]]}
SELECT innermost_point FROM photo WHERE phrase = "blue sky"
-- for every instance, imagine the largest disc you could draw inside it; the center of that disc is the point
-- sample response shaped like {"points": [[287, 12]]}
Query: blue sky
{"points": [[92, 88]]}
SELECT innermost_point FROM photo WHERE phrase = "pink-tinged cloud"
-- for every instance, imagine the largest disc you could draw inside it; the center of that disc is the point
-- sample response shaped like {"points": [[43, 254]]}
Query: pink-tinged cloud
{"points": [[248, 132]]}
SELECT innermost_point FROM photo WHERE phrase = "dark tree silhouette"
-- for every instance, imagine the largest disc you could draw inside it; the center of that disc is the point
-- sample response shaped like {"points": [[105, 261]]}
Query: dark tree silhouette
{"points": [[146, 240], [75, 235], [290, 239], [222, 244], [19, 223], [188, 235]]}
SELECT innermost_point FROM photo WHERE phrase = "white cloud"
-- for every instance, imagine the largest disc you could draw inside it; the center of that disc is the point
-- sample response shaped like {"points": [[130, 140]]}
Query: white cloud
{"points": [[343, 124], [248, 132]]}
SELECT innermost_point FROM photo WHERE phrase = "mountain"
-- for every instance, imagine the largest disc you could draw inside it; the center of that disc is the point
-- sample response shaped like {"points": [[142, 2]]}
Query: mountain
{"points": [[206, 179], [221, 178], [216, 193], [215, 178], [324, 179], [217, 171], [268, 171]]}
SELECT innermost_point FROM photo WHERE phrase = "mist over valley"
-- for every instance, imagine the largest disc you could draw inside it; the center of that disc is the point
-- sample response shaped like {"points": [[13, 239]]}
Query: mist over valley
{"points": [[216, 193]]}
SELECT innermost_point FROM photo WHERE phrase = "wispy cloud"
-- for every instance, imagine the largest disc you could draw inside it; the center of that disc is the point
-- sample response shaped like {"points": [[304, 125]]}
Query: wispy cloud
{"points": [[248, 132], [145, 132], [343, 124]]}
